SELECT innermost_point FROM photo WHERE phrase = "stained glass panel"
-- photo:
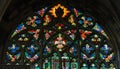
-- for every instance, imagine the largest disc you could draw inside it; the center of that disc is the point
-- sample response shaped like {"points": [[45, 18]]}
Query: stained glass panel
{"points": [[59, 37]]}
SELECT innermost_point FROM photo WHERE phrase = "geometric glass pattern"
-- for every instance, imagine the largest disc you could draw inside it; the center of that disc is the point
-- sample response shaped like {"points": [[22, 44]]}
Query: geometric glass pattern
{"points": [[60, 38]]}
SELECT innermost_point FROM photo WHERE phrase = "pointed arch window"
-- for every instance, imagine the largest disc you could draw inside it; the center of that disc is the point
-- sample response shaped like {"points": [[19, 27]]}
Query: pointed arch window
{"points": [[60, 38]]}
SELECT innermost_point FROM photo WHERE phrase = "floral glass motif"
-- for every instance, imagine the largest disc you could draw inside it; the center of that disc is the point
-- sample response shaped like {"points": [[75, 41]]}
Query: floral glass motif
{"points": [[72, 20], [23, 37], [47, 50], [35, 33], [96, 38], [87, 48], [86, 21], [88, 57], [60, 42], [20, 28], [71, 33], [47, 19], [13, 48], [59, 26], [13, 55], [32, 53], [42, 11], [84, 34], [60, 38], [33, 21], [48, 33], [73, 51]]}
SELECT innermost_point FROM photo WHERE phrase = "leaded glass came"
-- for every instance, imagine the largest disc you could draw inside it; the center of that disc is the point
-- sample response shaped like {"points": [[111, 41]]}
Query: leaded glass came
{"points": [[60, 38]]}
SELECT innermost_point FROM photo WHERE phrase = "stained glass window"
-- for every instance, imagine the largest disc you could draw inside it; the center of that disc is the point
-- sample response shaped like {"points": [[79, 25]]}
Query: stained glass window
{"points": [[60, 38]]}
